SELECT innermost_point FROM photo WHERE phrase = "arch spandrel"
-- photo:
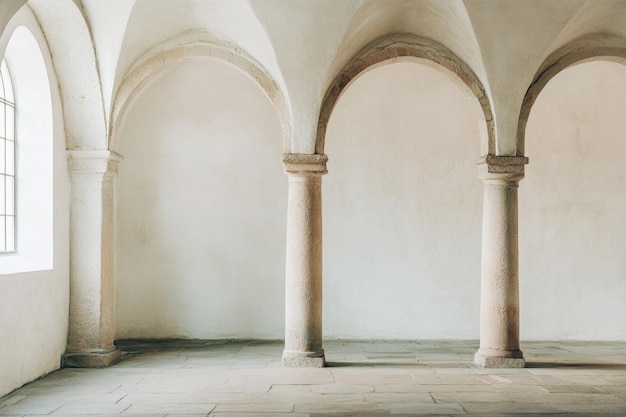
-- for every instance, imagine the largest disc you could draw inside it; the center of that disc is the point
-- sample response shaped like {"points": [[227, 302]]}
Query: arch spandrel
{"points": [[195, 45], [400, 46], [596, 46]]}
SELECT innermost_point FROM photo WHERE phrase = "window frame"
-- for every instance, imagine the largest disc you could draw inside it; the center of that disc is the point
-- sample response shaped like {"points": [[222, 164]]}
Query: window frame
{"points": [[8, 162]]}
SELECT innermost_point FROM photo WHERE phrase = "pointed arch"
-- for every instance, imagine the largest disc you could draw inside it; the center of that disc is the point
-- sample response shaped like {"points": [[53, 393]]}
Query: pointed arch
{"points": [[192, 45], [398, 46], [593, 46]]}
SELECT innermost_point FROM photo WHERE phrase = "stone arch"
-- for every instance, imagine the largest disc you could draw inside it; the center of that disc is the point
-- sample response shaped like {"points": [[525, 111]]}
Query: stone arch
{"points": [[591, 47], [73, 55], [194, 45], [398, 46]]}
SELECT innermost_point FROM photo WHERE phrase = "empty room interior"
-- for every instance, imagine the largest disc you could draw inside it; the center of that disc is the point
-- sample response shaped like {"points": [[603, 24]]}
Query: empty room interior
{"points": [[312, 208]]}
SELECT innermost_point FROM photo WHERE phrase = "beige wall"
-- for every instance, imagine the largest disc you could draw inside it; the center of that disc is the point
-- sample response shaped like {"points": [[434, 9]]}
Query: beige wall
{"points": [[201, 209], [402, 208], [573, 208]]}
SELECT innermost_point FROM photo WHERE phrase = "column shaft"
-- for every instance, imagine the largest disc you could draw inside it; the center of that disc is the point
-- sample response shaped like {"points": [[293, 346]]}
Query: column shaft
{"points": [[303, 295], [91, 328], [499, 300]]}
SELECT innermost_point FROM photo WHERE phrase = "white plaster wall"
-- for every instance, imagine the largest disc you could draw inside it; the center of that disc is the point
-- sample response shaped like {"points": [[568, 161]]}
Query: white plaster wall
{"points": [[573, 208], [201, 209], [34, 305], [402, 207]]}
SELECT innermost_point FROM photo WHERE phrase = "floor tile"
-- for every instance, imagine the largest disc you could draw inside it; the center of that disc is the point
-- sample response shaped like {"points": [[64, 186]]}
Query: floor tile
{"points": [[234, 378]]}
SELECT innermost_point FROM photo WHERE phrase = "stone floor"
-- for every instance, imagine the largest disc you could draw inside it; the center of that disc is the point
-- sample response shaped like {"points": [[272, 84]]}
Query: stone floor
{"points": [[364, 378]]}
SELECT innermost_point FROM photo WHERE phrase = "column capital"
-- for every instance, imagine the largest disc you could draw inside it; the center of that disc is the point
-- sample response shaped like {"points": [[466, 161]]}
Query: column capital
{"points": [[302, 163], [506, 168], [92, 161]]}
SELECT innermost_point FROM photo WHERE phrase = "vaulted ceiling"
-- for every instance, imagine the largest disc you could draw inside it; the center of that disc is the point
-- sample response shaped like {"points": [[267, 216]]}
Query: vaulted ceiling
{"points": [[304, 45]]}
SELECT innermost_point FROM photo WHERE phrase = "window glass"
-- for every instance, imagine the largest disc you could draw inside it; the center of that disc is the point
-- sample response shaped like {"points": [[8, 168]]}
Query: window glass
{"points": [[7, 162]]}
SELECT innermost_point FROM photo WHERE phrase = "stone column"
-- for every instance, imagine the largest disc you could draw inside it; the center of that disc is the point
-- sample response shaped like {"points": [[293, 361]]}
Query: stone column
{"points": [[303, 295], [499, 288], [91, 329]]}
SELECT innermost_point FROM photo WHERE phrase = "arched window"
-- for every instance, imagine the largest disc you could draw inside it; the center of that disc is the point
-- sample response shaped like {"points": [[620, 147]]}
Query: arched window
{"points": [[27, 183], [7, 161]]}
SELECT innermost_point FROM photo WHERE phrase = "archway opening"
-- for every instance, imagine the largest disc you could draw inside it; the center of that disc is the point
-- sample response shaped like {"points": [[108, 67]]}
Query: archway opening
{"points": [[201, 208], [402, 207], [572, 205]]}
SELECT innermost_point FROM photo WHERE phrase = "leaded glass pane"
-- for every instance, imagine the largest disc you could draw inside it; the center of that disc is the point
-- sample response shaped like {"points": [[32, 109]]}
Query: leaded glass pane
{"points": [[3, 132], [10, 122], [3, 197], [10, 232], [2, 156], [10, 157], [3, 245], [10, 195]]}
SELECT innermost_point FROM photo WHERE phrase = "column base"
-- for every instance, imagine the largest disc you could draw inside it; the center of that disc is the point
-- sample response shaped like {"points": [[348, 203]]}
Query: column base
{"points": [[500, 359], [91, 358], [303, 359]]}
